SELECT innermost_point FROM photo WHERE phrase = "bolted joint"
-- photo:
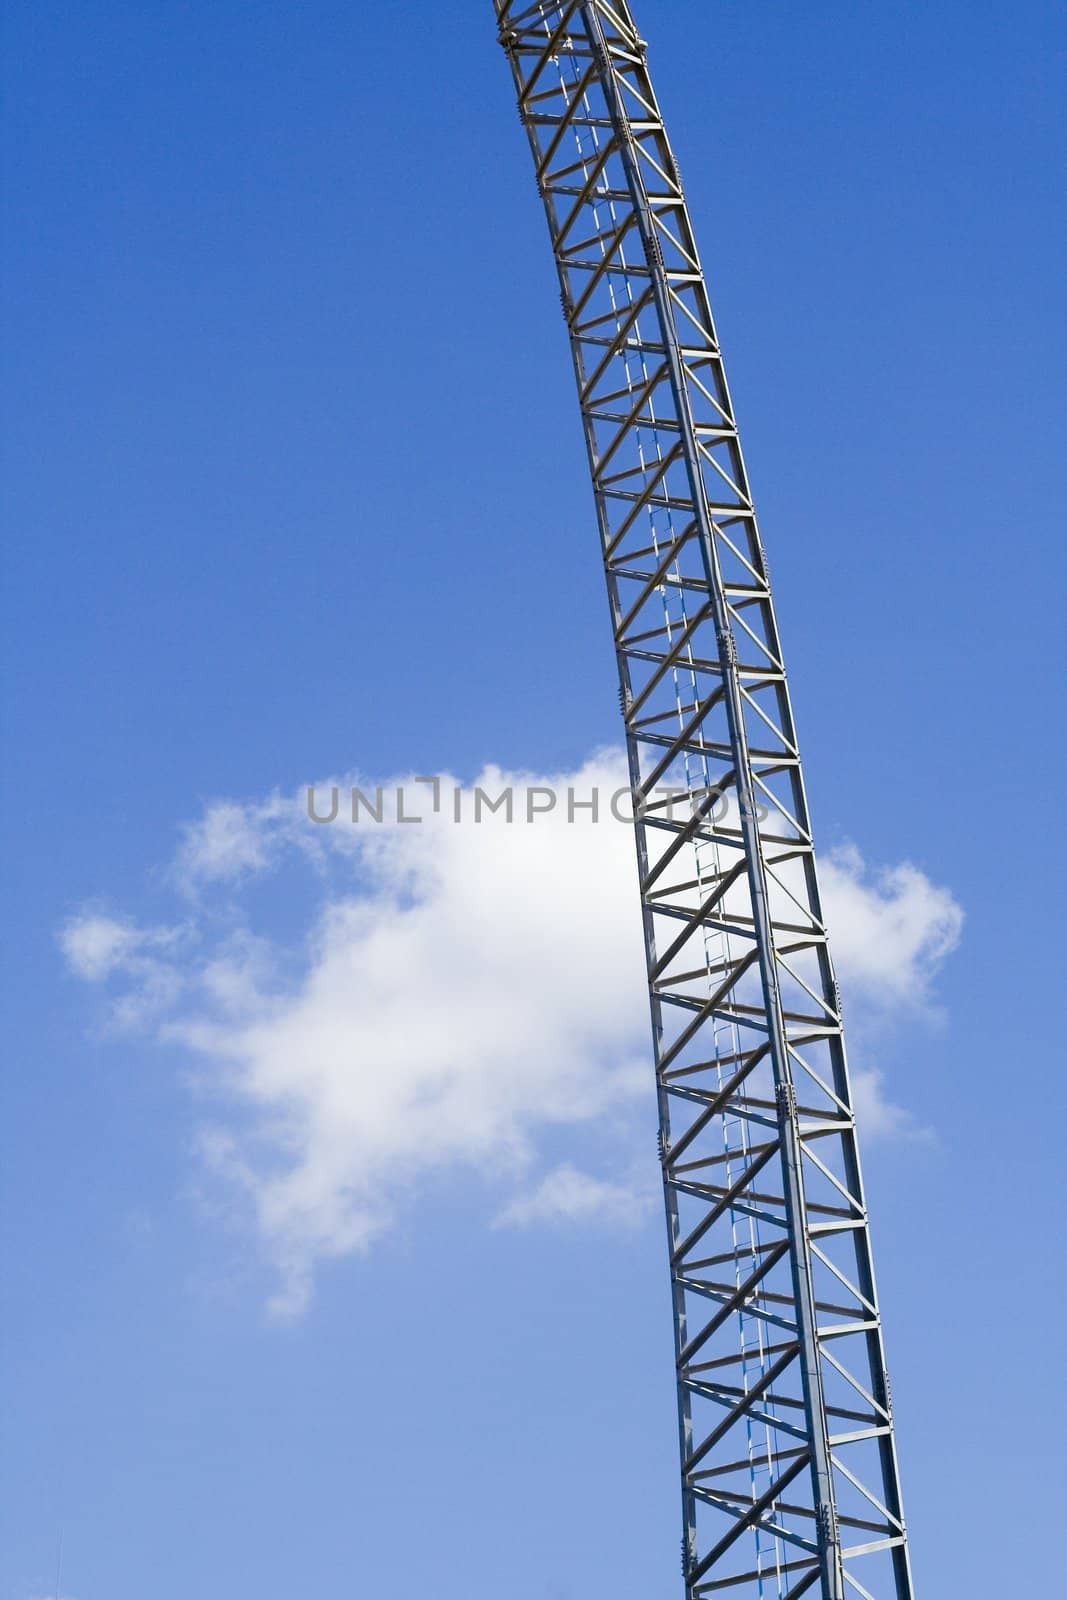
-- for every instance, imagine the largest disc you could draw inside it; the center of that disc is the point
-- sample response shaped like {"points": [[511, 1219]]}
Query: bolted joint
{"points": [[601, 58], [508, 38], [786, 1097], [824, 1522], [653, 251], [566, 303], [727, 646]]}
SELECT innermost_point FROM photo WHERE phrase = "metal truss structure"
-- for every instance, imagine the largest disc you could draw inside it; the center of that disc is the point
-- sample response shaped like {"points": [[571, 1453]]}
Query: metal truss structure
{"points": [[789, 1473]]}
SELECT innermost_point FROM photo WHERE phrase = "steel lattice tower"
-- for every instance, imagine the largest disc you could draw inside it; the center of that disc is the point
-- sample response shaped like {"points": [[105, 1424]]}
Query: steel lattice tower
{"points": [[789, 1473]]}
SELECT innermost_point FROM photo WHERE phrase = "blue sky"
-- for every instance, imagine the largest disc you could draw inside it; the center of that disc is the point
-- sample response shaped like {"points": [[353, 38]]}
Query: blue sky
{"points": [[295, 489]]}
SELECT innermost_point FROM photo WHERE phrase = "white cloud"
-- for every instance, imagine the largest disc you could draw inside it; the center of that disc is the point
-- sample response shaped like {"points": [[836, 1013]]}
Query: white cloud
{"points": [[891, 928], [229, 841], [465, 997], [567, 1195], [877, 1117], [98, 947]]}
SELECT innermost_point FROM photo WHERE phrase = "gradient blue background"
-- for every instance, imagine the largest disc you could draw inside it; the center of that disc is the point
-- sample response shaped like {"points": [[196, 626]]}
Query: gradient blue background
{"points": [[292, 453]]}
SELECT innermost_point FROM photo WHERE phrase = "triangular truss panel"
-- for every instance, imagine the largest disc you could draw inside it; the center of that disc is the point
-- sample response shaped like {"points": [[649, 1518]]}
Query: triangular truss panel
{"points": [[789, 1475]]}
